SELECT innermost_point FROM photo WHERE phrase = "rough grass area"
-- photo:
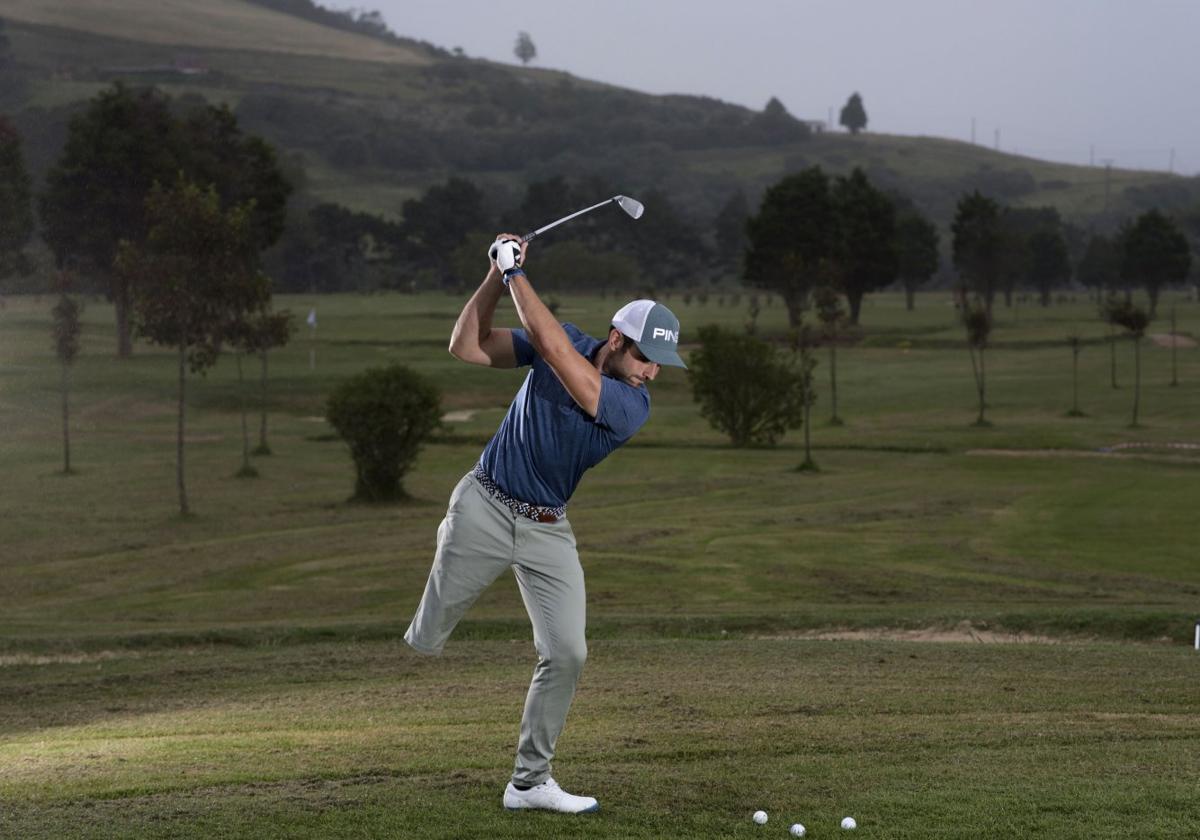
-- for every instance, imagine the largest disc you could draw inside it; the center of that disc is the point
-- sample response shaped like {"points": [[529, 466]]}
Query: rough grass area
{"points": [[219, 24], [676, 738]]}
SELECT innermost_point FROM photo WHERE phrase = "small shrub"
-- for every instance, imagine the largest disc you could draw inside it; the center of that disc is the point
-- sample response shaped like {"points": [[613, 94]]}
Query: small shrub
{"points": [[384, 415], [746, 387]]}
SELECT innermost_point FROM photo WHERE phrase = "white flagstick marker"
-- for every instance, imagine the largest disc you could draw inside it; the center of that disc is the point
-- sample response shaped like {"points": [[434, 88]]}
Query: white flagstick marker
{"points": [[312, 350]]}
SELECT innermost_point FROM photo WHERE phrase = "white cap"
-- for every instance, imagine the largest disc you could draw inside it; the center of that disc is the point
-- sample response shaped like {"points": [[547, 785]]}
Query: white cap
{"points": [[653, 327]]}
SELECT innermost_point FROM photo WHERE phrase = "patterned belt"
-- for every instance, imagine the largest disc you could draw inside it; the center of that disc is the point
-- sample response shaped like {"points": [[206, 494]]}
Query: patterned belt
{"points": [[538, 513]]}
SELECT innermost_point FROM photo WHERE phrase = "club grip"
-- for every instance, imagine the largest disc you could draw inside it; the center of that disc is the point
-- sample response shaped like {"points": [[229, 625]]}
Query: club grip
{"points": [[528, 236]]}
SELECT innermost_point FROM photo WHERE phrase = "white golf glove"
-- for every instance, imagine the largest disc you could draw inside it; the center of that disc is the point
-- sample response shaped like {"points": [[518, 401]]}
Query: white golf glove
{"points": [[505, 253]]}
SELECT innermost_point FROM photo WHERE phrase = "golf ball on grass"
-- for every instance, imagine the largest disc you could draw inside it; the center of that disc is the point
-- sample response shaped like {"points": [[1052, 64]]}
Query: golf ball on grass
{"points": [[760, 817], [849, 824], [797, 830]]}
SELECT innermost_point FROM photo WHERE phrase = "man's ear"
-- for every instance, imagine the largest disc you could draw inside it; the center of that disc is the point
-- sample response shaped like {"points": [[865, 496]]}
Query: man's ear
{"points": [[615, 340]]}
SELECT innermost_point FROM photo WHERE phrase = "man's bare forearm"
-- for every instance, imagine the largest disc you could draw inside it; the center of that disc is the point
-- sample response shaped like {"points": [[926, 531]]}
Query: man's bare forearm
{"points": [[474, 323], [544, 332]]}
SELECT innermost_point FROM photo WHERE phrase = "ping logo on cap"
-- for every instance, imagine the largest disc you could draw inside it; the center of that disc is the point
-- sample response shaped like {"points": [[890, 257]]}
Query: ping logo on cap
{"points": [[669, 335]]}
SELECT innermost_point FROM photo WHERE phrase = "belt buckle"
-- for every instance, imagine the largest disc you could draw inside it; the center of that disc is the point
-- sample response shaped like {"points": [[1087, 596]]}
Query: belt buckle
{"points": [[546, 516]]}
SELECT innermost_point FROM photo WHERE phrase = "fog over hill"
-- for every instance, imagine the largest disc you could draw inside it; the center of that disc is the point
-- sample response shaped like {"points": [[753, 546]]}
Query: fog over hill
{"points": [[1073, 80]]}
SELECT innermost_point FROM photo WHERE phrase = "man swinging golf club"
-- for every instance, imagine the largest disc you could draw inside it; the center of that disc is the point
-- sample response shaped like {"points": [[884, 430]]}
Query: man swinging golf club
{"points": [[582, 398]]}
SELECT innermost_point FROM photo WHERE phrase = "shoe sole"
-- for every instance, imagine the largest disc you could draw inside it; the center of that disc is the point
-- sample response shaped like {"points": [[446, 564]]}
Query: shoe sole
{"points": [[591, 810]]}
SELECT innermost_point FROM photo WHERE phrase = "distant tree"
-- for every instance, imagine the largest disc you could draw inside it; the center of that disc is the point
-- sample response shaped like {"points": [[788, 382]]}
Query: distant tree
{"points": [[95, 195], [67, 327], [1108, 311], [853, 116], [384, 415], [438, 221], [1134, 320], [866, 233], [833, 318], [665, 243], [1155, 253], [1099, 268], [1015, 259], [254, 333], [792, 239], [195, 273], [978, 323], [126, 141], [775, 124], [269, 330], [244, 169], [16, 202], [524, 49], [804, 343], [1049, 266], [745, 387], [729, 230], [1076, 344], [977, 243], [917, 256]]}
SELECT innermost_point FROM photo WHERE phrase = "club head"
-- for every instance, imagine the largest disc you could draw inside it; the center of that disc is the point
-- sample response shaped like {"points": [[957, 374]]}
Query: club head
{"points": [[630, 205]]}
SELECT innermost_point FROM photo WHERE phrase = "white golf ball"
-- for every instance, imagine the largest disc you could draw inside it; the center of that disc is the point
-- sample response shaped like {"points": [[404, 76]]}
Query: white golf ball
{"points": [[849, 824], [797, 830], [760, 817]]}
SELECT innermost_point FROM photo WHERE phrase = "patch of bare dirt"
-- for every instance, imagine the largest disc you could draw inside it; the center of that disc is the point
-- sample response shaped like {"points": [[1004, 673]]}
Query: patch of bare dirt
{"points": [[963, 632], [459, 416], [1173, 340]]}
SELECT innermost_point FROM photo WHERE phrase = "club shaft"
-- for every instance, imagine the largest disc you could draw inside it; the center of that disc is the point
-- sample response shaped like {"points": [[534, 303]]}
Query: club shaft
{"points": [[558, 222]]}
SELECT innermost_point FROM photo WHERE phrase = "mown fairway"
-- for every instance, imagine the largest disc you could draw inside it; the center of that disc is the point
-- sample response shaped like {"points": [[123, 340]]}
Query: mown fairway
{"points": [[240, 673]]}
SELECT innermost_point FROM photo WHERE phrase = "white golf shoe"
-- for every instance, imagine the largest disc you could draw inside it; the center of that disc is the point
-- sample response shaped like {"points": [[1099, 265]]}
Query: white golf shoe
{"points": [[548, 796]]}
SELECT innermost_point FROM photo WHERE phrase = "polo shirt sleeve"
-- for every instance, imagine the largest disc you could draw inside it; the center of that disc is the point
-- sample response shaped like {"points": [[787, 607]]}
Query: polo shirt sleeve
{"points": [[623, 409], [523, 348]]}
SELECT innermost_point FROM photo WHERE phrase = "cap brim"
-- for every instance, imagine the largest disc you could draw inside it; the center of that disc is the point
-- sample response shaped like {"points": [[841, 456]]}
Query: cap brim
{"points": [[662, 357]]}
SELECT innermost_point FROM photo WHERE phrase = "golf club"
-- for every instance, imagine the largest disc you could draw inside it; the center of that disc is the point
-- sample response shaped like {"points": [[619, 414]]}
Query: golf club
{"points": [[630, 205]]}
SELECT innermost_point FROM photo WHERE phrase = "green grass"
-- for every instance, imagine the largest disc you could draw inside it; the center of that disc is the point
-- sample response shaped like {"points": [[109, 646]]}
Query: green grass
{"points": [[240, 673]]}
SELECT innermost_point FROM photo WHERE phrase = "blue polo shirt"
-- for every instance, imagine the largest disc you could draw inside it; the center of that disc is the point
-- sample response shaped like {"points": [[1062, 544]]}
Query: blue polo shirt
{"points": [[546, 441]]}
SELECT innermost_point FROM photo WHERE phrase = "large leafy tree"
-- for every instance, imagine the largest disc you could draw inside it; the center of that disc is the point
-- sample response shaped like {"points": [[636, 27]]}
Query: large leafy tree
{"points": [[729, 229], [853, 115], [117, 150], [1014, 260], [746, 388], [437, 222], [1155, 253], [1049, 265], [917, 256], [1099, 268], [95, 194], [16, 204], [792, 239], [195, 273], [866, 231], [977, 244]]}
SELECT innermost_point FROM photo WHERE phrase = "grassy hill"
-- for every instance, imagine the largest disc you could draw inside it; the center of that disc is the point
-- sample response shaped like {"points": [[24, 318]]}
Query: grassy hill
{"points": [[215, 24], [375, 122]]}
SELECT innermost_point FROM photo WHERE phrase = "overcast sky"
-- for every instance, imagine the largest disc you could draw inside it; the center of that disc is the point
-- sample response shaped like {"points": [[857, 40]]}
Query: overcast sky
{"points": [[1069, 80]]}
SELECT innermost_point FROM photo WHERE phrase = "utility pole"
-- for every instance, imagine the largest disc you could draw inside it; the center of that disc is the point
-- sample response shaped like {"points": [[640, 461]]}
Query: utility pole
{"points": [[1171, 165], [997, 139], [972, 131], [1108, 162], [1092, 155]]}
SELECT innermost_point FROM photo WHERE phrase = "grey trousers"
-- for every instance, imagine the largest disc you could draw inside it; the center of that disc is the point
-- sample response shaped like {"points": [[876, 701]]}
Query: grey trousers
{"points": [[480, 538]]}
